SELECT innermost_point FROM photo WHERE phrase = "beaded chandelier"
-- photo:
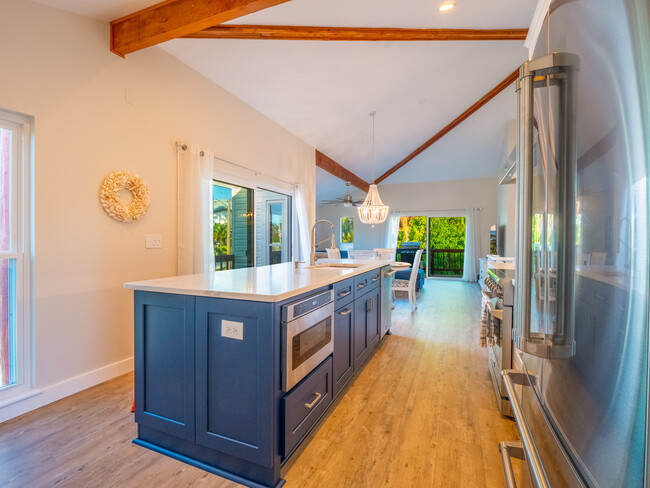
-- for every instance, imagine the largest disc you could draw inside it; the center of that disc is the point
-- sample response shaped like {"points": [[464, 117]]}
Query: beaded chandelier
{"points": [[373, 211]]}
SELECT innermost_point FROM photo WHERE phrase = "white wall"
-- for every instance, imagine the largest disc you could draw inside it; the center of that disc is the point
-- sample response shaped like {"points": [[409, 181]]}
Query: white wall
{"points": [[57, 67], [445, 197]]}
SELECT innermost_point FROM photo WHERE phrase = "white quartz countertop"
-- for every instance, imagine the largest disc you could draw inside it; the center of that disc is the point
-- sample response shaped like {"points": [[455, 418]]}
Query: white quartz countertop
{"points": [[263, 284]]}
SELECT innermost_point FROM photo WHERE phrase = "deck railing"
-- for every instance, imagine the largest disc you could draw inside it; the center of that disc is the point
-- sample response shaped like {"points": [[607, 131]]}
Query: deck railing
{"points": [[446, 262]]}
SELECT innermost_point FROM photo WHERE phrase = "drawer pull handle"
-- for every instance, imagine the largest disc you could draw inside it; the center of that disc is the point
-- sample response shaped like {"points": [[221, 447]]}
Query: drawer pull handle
{"points": [[361, 285], [344, 293], [375, 278], [346, 311], [311, 405]]}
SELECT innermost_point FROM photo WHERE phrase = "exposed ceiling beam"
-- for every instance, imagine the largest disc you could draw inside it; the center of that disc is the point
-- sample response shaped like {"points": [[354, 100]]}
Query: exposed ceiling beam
{"points": [[311, 33], [454, 123], [332, 167], [175, 18]]}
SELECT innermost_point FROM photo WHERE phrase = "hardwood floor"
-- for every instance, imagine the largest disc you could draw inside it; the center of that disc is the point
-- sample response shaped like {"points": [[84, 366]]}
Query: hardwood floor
{"points": [[421, 414]]}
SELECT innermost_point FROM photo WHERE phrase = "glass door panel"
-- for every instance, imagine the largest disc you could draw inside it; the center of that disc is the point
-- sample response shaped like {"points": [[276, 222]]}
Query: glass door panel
{"points": [[273, 227], [446, 246], [233, 226], [7, 266], [6, 144], [275, 213], [7, 322]]}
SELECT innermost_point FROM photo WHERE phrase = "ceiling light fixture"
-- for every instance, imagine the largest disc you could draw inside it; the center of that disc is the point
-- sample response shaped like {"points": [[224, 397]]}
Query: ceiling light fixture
{"points": [[373, 211], [445, 7]]}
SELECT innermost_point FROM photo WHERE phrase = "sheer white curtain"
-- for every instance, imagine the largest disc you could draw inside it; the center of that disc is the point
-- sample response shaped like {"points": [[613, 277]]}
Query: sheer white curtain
{"points": [[392, 228], [304, 246], [472, 244], [195, 220]]}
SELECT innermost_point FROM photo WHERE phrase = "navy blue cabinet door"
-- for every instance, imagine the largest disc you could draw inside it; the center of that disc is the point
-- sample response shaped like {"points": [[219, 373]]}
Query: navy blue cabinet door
{"points": [[234, 378], [164, 362], [343, 352], [372, 317], [361, 350]]}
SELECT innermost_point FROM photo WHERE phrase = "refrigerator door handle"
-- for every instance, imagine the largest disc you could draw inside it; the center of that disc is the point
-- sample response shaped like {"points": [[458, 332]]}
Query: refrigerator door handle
{"points": [[510, 450], [559, 70], [510, 377]]}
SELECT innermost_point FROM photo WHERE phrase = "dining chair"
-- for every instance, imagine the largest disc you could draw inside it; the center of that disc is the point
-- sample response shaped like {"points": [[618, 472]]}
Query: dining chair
{"points": [[409, 285], [361, 254], [597, 258], [333, 253], [386, 254]]}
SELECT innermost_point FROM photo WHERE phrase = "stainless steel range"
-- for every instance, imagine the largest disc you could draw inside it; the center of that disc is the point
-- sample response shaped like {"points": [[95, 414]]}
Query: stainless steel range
{"points": [[499, 289]]}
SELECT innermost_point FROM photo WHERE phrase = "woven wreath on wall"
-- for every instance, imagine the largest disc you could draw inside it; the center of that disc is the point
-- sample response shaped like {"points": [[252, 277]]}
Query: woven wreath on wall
{"points": [[109, 196]]}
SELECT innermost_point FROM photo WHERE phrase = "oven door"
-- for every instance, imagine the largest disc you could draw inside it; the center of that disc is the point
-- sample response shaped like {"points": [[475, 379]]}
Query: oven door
{"points": [[308, 341]]}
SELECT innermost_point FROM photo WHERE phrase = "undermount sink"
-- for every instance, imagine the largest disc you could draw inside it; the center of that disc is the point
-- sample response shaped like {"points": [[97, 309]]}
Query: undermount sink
{"points": [[334, 266]]}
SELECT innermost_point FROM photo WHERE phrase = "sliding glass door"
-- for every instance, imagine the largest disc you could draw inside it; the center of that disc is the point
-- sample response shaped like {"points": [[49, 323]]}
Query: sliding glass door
{"points": [[252, 226], [441, 238]]}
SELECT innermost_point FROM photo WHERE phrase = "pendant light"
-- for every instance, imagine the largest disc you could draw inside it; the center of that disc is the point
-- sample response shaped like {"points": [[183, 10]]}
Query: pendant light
{"points": [[373, 211]]}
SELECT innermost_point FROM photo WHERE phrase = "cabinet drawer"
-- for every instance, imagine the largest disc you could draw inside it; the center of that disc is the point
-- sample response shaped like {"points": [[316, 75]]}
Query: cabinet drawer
{"points": [[374, 277], [361, 284], [343, 292], [366, 282], [305, 404]]}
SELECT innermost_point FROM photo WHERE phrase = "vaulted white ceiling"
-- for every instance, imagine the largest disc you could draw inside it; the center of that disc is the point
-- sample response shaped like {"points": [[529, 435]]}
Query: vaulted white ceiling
{"points": [[324, 91]]}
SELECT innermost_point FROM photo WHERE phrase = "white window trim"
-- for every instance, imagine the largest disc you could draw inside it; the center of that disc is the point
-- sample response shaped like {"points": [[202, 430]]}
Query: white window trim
{"points": [[257, 182], [22, 250]]}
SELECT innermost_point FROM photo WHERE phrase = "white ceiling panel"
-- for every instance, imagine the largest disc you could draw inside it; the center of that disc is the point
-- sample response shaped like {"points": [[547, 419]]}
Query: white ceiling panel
{"points": [[323, 91]]}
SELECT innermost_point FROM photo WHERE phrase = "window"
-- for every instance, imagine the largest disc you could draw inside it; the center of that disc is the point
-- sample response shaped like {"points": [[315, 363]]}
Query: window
{"points": [[347, 230], [15, 337], [251, 226]]}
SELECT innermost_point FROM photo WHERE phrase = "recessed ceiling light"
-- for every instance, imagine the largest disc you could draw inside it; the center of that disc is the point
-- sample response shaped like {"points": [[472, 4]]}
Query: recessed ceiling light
{"points": [[446, 6]]}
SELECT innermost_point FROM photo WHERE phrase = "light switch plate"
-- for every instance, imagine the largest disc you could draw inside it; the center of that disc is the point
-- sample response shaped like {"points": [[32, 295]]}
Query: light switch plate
{"points": [[232, 330], [154, 241]]}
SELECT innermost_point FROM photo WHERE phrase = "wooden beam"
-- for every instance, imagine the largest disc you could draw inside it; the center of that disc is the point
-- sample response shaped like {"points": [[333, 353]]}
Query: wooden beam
{"points": [[175, 18], [312, 33], [454, 123], [332, 167]]}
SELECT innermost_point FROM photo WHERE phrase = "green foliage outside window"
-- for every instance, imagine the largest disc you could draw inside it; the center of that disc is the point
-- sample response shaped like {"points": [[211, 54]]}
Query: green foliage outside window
{"points": [[347, 230], [447, 232], [220, 238], [413, 229]]}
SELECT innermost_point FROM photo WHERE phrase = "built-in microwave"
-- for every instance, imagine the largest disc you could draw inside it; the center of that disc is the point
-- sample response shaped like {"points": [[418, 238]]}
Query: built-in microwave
{"points": [[307, 336]]}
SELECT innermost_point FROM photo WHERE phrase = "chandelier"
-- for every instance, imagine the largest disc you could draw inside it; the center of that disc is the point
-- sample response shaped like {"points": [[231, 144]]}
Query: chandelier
{"points": [[373, 211]]}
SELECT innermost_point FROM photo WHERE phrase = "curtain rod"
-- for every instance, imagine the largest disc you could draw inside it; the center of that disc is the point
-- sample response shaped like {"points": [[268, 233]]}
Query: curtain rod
{"points": [[255, 171]]}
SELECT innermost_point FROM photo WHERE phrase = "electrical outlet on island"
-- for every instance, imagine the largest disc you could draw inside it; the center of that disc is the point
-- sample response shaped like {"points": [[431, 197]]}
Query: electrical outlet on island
{"points": [[232, 330]]}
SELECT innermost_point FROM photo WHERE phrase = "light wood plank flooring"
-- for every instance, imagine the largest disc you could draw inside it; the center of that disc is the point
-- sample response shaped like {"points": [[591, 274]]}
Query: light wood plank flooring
{"points": [[421, 414]]}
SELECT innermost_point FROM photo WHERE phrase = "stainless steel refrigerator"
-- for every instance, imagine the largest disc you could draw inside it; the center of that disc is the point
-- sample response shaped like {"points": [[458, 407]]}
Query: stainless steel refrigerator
{"points": [[581, 309]]}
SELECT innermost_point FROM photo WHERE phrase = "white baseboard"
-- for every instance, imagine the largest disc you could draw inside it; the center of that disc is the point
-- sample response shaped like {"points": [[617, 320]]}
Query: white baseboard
{"points": [[33, 399]]}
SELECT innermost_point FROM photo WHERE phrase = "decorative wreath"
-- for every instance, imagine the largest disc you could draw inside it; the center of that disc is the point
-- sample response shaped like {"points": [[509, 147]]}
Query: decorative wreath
{"points": [[109, 196]]}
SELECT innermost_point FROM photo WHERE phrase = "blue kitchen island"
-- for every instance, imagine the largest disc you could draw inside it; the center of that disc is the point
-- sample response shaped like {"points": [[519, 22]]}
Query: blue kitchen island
{"points": [[214, 355]]}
